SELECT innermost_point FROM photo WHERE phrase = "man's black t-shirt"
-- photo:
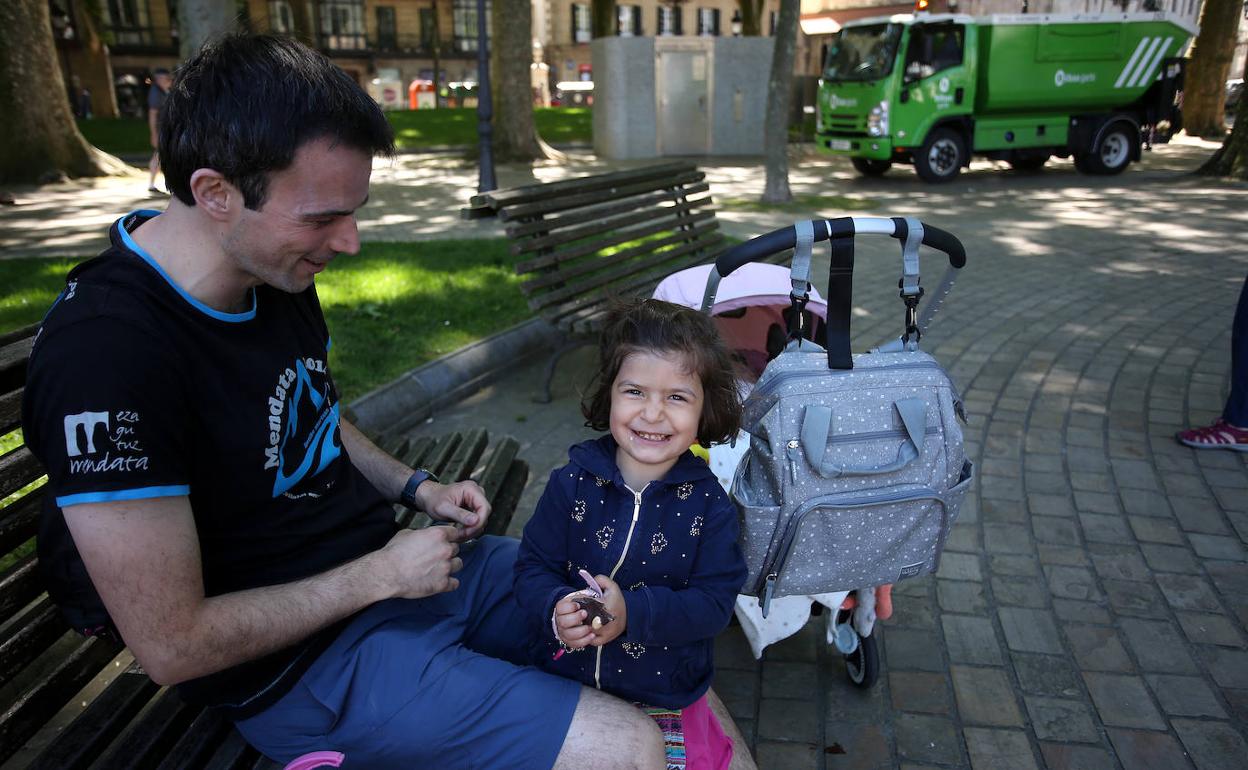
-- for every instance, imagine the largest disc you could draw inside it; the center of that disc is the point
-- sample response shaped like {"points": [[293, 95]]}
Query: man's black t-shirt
{"points": [[137, 390]]}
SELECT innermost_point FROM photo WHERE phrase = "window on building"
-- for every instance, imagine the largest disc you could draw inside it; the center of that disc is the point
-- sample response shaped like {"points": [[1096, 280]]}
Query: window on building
{"points": [[128, 20], [342, 25], [708, 21], [387, 30], [775, 18], [582, 24], [628, 20], [281, 17], [428, 33], [464, 19], [668, 21]]}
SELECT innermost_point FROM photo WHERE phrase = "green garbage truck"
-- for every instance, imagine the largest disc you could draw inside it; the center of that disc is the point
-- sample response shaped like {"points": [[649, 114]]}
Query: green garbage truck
{"points": [[934, 89]]}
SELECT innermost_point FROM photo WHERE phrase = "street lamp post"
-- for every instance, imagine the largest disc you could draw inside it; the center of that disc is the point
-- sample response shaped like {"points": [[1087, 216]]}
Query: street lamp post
{"points": [[736, 23], [485, 107]]}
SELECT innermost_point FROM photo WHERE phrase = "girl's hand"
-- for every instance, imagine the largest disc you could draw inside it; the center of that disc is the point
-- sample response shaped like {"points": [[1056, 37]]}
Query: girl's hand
{"points": [[613, 601], [570, 623]]}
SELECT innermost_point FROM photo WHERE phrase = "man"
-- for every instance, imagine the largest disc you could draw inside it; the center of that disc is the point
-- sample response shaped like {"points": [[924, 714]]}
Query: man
{"points": [[204, 486], [156, 95]]}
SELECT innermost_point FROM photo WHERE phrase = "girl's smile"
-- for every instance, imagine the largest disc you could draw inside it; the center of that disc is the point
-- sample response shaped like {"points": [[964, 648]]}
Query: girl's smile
{"points": [[656, 404]]}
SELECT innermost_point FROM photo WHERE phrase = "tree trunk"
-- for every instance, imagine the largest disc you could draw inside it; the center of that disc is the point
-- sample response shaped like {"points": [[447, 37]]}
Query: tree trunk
{"points": [[1231, 159], [751, 17], [511, 59], [1204, 92], [41, 139], [776, 128], [602, 18], [201, 20]]}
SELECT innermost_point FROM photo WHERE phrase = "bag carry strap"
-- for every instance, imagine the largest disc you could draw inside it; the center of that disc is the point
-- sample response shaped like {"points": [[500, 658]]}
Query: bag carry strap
{"points": [[840, 293], [817, 429], [799, 273]]}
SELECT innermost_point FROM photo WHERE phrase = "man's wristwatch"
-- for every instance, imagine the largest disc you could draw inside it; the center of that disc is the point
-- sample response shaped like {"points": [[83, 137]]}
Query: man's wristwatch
{"points": [[408, 495]]}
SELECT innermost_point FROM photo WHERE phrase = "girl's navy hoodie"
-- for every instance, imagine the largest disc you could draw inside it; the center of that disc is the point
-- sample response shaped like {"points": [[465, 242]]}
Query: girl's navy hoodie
{"points": [[672, 548]]}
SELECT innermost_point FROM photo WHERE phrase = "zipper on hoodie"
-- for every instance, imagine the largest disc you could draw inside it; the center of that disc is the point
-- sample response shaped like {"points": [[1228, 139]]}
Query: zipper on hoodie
{"points": [[623, 554]]}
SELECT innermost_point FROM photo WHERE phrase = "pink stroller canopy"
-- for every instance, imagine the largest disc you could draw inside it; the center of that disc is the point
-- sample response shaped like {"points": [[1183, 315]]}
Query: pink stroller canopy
{"points": [[753, 285]]}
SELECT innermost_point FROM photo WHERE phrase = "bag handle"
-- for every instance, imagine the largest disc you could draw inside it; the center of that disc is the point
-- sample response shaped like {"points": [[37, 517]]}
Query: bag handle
{"points": [[817, 428], [840, 300]]}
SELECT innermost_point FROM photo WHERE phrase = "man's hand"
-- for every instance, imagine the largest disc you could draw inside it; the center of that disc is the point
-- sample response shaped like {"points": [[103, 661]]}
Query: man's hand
{"points": [[421, 562], [570, 622], [463, 503], [613, 601]]}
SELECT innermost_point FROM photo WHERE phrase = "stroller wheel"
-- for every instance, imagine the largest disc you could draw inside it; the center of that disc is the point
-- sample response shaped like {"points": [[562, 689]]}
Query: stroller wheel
{"points": [[863, 664]]}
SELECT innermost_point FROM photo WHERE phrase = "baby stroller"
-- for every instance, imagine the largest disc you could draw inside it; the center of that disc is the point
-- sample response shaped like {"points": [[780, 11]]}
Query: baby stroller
{"points": [[751, 310]]}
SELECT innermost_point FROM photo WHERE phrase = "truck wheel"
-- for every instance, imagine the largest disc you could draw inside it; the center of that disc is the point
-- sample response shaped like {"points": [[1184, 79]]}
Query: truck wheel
{"points": [[1029, 160], [941, 157], [871, 167], [1112, 153]]}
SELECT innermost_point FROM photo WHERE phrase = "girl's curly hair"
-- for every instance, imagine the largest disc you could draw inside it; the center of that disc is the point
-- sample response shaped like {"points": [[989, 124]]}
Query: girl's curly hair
{"points": [[651, 325]]}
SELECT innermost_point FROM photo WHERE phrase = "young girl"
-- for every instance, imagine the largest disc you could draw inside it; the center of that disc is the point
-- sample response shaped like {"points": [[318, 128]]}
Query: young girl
{"points": [[647, 523]]}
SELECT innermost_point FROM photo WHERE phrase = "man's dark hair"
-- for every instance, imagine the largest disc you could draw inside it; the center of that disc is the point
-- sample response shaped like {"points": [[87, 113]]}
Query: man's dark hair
{"points": [[244, 104], [159, 71], [662, 328]]}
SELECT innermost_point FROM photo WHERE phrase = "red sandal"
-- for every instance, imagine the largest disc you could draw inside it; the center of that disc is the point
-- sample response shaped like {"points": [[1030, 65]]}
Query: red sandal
{"points": [[1220, 435]]}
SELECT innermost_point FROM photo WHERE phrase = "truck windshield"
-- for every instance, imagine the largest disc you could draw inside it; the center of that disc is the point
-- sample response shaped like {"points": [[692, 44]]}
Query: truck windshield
{"points": [[862, 53]]}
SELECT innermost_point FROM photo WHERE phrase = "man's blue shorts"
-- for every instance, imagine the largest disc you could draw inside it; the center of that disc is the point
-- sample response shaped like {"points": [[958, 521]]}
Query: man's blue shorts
{"points": [[429, 683]]}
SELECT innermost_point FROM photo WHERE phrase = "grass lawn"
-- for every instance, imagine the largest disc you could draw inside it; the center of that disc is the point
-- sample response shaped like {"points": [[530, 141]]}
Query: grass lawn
{"points": [[413, 129], [392, 307]]}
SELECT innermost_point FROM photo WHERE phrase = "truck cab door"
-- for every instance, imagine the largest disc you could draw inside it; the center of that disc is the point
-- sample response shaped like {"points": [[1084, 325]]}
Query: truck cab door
{"points": [[936, 79]]}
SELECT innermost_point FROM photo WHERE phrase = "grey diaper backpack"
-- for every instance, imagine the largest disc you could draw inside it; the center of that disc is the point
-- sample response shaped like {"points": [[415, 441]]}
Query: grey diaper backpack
{"points": [[855, 469]]}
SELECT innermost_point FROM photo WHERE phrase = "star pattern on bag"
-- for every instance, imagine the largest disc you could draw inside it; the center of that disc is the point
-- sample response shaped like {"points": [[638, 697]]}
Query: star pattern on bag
{"points": [[696, 528], [657, 543], [604, 535], [634, 649], [684, 490], [578, 510]]}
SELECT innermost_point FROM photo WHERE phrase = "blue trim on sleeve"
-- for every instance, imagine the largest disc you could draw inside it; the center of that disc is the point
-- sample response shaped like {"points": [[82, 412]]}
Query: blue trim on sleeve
{"points": [[329, 343], [141, 493], [201, 307]]}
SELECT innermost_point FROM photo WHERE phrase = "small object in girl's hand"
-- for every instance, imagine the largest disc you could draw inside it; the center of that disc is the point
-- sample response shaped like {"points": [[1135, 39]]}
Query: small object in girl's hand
{"points": [[597, 613]]}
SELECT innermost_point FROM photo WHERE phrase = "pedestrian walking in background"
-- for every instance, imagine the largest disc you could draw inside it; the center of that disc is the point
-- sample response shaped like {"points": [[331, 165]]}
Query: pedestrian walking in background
{"points": [[161, 80], [1231, 431]]}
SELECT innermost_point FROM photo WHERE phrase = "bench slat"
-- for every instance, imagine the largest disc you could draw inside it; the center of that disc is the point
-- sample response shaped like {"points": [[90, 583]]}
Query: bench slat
{"points": [[441, 453], [684, 224], [152, 734], [605, 224], [612, 194], [19, 521], [496, 467], [464, 461], [17, 469], [513, 196], [520, 229], [508, 497], [418, 451], [394, 444], [641, 275], [18, 334], [30, 637], [196, 745], [103, 718], [36, 706], [13, 357], [10, 411], [19, 586], [619, 266], [234, 753]]}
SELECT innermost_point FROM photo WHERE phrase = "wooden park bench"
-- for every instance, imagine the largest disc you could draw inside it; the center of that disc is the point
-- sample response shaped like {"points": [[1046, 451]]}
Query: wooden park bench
{"points": [[583, 242], [122, 718]]}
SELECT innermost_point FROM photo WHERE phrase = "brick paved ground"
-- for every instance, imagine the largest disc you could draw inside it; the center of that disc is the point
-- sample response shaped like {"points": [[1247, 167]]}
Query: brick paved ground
{"points": [[1091, 608]]}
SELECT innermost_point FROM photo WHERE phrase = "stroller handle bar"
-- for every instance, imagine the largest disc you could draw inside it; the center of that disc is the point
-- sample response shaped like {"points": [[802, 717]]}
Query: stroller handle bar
{"points": [[786, 238]]}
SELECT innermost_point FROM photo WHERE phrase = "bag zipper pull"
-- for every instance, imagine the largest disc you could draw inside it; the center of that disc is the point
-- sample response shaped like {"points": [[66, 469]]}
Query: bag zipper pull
{"points": [[768, 589], [794, 455]]}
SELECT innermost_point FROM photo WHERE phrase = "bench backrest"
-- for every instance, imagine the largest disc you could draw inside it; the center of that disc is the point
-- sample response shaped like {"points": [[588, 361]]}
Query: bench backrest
{"points": [[583, 241]]}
